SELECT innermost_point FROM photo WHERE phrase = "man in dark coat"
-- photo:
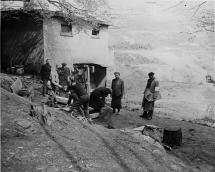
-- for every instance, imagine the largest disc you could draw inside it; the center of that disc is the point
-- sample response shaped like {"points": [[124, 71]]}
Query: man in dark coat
{"points": [[97, 98], [63, 74], [117, 87], [79, 96], [45, 74], [151, 94]]}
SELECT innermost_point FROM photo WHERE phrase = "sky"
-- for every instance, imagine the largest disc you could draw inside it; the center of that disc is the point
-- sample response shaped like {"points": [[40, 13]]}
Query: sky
{"points": [[171, 15]]}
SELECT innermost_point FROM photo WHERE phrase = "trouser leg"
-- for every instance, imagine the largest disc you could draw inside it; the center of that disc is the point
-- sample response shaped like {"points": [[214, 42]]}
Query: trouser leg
{"points": [[118, 109], [44, 87], [84, 100], [73, 96], [114, 110], [149, 115]]}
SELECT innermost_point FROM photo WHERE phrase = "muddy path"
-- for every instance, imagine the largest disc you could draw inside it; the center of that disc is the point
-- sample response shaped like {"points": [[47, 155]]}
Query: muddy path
{"points": [[198, 148]]}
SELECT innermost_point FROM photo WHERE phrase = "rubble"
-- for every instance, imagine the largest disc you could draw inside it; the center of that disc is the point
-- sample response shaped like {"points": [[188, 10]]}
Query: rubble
{"points": [[41, 114]]}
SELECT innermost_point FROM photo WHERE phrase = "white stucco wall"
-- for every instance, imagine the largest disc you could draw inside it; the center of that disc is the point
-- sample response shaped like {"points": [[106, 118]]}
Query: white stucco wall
{"points": [[79, 48]]}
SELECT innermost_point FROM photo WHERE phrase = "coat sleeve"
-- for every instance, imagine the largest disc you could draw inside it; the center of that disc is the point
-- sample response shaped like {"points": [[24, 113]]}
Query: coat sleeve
{"points": [[156, 83], [112, 85], [123, 89]]}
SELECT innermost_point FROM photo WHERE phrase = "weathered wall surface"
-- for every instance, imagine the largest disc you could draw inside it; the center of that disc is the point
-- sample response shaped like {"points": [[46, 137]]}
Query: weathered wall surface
{"points": [[22, 43], [78, 48]]}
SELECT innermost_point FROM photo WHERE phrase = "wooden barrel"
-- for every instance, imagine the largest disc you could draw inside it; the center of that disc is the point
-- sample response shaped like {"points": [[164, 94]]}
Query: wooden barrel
{"points": [[172, 136]]}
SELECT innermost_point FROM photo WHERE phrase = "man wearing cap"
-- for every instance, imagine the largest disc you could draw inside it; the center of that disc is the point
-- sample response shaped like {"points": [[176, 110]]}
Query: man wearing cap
{"points": [[117, 87], [151, 94], [45, 74], [63, 73]]}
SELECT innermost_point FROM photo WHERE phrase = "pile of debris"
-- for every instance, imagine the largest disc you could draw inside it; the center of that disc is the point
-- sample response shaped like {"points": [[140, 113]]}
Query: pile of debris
{"points": [[15, 85], [167, 138]]}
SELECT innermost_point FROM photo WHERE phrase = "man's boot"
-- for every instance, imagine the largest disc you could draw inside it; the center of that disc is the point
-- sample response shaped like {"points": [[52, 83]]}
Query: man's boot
{"points": [[114, 110], [144, 115], [149, 115]]}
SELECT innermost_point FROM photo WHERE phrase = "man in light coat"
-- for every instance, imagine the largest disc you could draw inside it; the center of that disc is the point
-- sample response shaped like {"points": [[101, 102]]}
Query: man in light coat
{"points": [[151, 94]]}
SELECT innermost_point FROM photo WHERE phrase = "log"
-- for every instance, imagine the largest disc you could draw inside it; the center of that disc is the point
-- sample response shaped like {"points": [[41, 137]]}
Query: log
{"points": [[172, 136], [94, 115], [62, 100]]}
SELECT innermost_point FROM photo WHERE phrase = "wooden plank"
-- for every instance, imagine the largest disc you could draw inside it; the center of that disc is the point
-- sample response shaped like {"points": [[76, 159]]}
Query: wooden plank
{"points": [[62, 100]]}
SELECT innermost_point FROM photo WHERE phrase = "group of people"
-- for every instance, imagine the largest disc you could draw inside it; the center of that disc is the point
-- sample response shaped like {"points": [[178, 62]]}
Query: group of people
{"points": [[96, 99]]}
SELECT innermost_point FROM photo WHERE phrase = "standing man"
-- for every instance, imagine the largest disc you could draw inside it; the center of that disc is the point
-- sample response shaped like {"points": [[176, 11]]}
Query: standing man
{"points": [[117, 87], [63, 74], [45, 74], [151, 94]]}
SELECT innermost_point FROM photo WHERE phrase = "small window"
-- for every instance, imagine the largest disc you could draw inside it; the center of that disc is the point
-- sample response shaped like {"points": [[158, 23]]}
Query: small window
{"points": [[95, 33], [66, 30]]}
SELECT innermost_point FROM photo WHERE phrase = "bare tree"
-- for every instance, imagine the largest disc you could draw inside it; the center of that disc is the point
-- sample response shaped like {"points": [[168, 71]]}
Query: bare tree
{"points": [[204, 18], [75, 11], [206, 21]]}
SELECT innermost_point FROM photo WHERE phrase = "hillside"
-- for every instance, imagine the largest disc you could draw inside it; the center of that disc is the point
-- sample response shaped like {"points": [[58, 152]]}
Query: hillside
{"points": [[71, 145], [162, 36]]}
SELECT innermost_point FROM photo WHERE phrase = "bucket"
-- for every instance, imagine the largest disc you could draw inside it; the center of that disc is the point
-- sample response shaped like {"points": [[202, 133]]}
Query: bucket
{"points": [[12, 69], [20, 70]]}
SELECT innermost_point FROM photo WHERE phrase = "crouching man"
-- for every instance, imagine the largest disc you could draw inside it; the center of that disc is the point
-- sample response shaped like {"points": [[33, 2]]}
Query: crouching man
{"points": [[97, 98], [79, 96]]}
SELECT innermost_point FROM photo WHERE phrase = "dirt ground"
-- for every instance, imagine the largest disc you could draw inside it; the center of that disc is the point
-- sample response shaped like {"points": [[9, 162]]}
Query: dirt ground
{"points": [[198, 140], [72, 145]]}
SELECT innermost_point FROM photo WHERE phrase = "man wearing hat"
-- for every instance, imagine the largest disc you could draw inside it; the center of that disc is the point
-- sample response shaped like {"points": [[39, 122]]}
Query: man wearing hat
{"points": [[117, 87], [97, 98], [151, 94], [63, 74], [45, 74]]}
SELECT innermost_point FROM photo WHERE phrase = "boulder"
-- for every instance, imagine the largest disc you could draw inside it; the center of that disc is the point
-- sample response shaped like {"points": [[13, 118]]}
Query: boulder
{"points": [[24, 127], [16, 86], [154, 132], [6, 82], [106, 113]]}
